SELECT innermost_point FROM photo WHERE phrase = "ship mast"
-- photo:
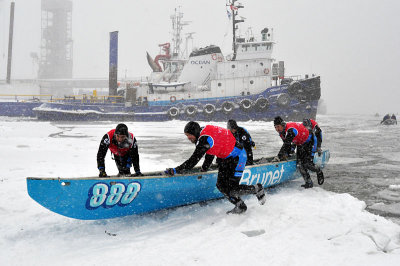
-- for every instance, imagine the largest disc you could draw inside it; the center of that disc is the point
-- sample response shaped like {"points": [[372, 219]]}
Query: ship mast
{"points": [[177, 26], [234, 8]]}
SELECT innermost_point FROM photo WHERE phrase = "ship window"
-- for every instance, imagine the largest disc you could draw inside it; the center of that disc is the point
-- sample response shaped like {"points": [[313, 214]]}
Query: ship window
{"points": [[233, 66], [251, 81], [261, 63], [248, 93], [219, 84]]}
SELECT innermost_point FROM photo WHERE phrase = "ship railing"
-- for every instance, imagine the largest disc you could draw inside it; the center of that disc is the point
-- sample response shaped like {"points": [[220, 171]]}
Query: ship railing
{"points": [[26, 97], [90, 99]]}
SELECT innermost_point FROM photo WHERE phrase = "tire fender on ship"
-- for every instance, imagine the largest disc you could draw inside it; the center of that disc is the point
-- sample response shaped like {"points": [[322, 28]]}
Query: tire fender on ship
{"points": [[246, 104], [262, 104], [227, 107], [283, 100], [173, 112], [172, 99], [209, 109], [190, 110]]}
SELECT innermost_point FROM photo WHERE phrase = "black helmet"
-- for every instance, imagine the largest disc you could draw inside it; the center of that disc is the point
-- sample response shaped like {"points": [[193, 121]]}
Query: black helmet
{"points": [[122, 129], [232, 124], [278, 121], [307, 123], [193, 128]]}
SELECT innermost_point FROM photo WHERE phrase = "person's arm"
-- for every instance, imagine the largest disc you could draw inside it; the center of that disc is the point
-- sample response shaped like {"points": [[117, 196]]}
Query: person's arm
{"points": [[287, 144], [208, 159], [134, 155], [101, 153], [201, 148], [318, 134]]}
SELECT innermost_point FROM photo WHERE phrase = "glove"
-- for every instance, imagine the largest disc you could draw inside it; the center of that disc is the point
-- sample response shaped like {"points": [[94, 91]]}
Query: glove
{"points": [[137, 174], [102, 173], [319, 150], [275, 159], [170, 171]]}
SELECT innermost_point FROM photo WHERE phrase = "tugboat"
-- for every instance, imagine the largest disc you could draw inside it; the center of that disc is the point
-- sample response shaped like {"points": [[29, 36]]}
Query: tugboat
{"points": [[245, 85]]}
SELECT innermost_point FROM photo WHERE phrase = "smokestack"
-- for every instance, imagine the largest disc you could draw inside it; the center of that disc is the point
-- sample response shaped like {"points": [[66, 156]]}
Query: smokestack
{"points": [[113, 67], [10, 40]]}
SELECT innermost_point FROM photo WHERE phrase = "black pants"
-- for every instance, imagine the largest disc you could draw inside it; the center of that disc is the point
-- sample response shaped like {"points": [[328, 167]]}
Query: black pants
{"points": [[305, 160], [228, 184], [121, 162], [249, 152]]}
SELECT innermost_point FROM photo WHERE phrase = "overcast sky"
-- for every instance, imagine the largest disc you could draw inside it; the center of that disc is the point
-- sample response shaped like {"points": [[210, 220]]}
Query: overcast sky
{"points": [[353, 44]]}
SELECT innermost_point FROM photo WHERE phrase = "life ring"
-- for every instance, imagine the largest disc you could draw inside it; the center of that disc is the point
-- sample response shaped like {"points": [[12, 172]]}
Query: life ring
{"points": [[227, 107], [190, 110], [173, 112], [246, 105], [266, 71], [283, 100], [261, 104], [214, 56], [172, 99], [209, 109]]}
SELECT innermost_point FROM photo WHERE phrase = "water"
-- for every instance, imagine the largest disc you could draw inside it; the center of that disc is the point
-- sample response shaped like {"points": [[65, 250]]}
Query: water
{"points": [[365, 161]]}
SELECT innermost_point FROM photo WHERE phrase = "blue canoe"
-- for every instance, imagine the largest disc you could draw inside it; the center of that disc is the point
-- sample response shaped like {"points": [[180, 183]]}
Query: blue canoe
{"points": [[94, 198]]}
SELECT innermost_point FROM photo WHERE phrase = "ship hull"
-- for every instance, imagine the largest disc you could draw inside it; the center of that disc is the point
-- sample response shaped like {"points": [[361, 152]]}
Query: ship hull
{"points": [[292, 101]]}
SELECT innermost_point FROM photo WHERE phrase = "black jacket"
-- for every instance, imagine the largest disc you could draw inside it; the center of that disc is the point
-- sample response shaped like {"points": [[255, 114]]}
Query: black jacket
{"points": [[243, 136], [133, 152]]}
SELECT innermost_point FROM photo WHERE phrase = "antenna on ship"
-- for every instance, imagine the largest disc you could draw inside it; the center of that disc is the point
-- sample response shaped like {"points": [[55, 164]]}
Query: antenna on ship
{"points": [[177, 26], [235, 8]]}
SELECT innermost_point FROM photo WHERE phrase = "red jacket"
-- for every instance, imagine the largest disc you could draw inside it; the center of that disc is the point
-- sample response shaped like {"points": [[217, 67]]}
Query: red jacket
{"points": [[313, 123], [301, 132], [114, 148], [223, 139]]}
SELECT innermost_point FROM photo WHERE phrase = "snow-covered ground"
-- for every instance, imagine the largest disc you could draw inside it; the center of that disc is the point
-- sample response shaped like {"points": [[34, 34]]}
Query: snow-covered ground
{"points": [[294, 227]]}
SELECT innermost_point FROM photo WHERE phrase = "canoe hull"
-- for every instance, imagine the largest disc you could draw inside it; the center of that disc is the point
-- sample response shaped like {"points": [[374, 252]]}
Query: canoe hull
{"points": [[102, 198]]}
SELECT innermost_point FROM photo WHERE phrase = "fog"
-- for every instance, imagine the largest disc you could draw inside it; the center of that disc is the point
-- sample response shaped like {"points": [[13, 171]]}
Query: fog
{"points": [[353, 45]]}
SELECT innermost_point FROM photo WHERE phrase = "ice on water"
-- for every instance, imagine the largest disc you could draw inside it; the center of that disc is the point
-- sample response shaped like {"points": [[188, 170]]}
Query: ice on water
{"points": [[294, 227]]}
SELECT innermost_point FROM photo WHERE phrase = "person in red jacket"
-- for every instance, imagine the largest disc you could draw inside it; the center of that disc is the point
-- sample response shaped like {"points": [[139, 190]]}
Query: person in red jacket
{"points": [[231, 159], [124, 149], [314, 128], [306, 146]]}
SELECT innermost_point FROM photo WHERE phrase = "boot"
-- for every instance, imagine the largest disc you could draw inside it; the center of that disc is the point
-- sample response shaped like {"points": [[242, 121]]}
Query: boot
{"points": [[320, 177], [260, 193], [240, 208], [307, 179], [308, 184]]}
